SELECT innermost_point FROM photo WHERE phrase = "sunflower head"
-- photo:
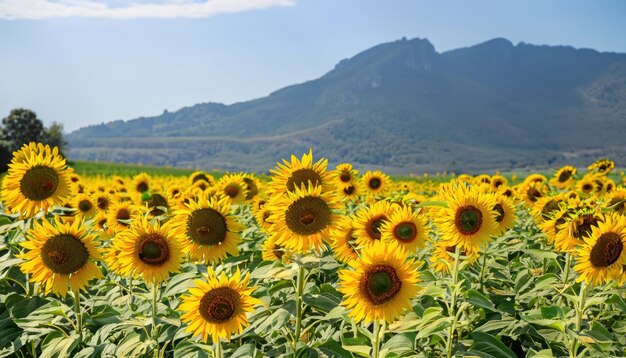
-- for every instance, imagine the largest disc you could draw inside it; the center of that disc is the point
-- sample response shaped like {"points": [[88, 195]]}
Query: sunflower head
{"points": [[407, 228], [234, 187], [381, 284], [344, 242], [217, 306], [370, 220], [141, 183], [61, 255], [294, 174], [37, 179], [376, 183], [302, 219]]}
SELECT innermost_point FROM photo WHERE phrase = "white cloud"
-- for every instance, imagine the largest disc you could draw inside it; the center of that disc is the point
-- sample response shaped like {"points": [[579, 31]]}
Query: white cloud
{"points": [[43, 9]]}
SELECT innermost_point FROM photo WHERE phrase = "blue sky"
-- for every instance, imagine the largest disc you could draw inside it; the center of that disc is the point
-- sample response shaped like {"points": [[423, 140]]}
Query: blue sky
{"points": [[83, 62]]}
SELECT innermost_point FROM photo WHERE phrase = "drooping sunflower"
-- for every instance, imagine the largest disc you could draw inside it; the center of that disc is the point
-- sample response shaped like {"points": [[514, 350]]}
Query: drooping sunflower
{"points": [[252, 184], [85, 206], [616, 201], [141, 183], [369, 222], [602, 256], [234, 187], [498, 181], [157, 204], [506, 213], [262, 213], [344, 243], [290, 176], [470, 218], [202, 176], [37, 179], [375, 183], [120, 216], [576, 229], [345, 175], [545, 208], [217, 307], [406, 227], [552, 226], [381, 284], [531, 191], [564, 177], [302, 219], [271, 251], [61, 255], [602, 166], [211, 233], [149, 250]]}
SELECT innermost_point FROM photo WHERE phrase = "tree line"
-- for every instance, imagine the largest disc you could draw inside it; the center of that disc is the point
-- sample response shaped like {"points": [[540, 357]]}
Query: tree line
{"points": [[22, 126]]}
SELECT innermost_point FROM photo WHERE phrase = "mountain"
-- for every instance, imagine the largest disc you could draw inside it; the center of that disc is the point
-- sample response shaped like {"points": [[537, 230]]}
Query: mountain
{"points": [[402, 107]]}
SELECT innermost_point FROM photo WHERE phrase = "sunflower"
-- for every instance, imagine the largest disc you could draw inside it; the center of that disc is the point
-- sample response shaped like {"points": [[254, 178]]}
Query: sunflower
{"points": [[576, 229], [141, 183], [210, 231], [302, 219], [103, 202], [586, 185], [617, 201], [234, 187], [506, 213], [120, 215], [61, 255], [344, 175], [498, 181], [531, 191], [271, 251], [200, 176], [252, 185], [262, 213], [602, 256], [157, 204], [375, 183], [602, 166], [369, 222], [545, 208], [552, 226], [37, 179], [564, 177], [442, 258], [218, 306], [350, 192], [149, 250], [406, 227], [85, 206], [381, 284], [535, 178], [470, 218], [343, 242], [290, 176]]}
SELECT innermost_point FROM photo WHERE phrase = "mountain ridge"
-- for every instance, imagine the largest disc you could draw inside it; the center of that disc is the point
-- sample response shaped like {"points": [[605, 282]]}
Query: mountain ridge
{"points": [[535, 101]]}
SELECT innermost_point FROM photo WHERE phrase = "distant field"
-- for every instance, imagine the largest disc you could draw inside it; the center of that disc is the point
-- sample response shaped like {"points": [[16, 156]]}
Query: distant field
{"points": [[106, 169]]}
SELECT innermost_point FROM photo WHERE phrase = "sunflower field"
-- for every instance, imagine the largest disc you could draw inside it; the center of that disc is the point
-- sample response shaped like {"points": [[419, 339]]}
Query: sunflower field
{"points": [[310, 261]]}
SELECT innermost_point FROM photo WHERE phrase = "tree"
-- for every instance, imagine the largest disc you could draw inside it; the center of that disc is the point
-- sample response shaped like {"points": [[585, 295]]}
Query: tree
{"points": [[21, 126], [53, 136]]}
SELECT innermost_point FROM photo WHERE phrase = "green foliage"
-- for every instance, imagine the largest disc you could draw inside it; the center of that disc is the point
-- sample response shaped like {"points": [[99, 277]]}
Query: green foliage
{"points": [[53, 136], [21, 126]]}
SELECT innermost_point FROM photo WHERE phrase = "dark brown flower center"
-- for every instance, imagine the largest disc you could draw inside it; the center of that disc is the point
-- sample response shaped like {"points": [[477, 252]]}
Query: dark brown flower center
{"points": [[406, 231], [583, 227], [207, 227], [349, 190], [564, 176], [220, 304], [39, 183], [198, 177], [374, 183], [587, 188], [374, 225], [85, 205], [156, 202], [618, 204], [533, 194], [606, 250], [152, 249], [468, 220], [64, 254], [345, 177], [548, 210], [232, 190], [123, 214], [252, 188], [303, 176], [103, 203], [142, 187], [380, 284], [307, 215]]}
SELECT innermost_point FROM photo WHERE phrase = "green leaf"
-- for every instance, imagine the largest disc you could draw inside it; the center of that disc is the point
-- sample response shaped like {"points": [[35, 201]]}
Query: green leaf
{"points": [[326, 300], [479, 300], [273, 322], [399, 343], [616, 300], [246, 350], [56, 344], [178, 284], [333, 349], [132, 345], [541, 254], [488, 346], [601, 336]]}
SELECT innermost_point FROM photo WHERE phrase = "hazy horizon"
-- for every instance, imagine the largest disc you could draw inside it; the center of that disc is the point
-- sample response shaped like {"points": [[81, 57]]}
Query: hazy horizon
{"points": [[83, 64]]}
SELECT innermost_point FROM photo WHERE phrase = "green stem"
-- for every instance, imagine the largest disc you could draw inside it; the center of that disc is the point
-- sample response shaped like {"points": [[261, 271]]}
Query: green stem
{"points": [[565, 278], [376, 338], [219, 348], [79, 315], [300, 282], [355, 330], [482, 270], [154, 319], [580, 310], [130, 293], [452, 313]]}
